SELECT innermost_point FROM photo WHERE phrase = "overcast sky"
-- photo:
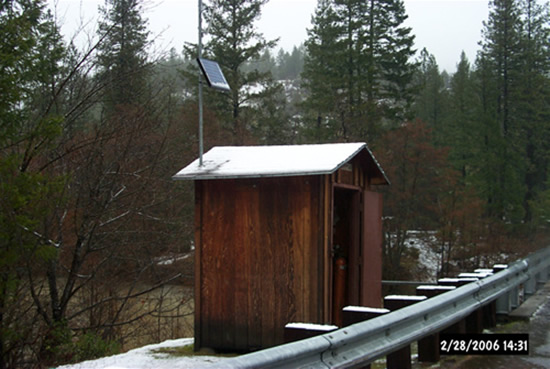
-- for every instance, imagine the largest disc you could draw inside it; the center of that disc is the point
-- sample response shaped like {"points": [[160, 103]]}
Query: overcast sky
{"points": [[444, 27]]}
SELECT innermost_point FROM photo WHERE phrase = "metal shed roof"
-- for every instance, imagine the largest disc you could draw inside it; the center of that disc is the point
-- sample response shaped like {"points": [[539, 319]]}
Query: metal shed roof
{"points": [[277, 161]]}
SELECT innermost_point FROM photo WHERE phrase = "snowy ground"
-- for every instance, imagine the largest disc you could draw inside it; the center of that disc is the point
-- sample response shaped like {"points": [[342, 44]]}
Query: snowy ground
{"points": [[148, 357], [427, 257]]}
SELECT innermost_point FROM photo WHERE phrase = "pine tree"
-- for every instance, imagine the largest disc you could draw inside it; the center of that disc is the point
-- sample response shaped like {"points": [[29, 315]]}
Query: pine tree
{"points": [[512, 71], [233, 43], [322, 77], [122, 58], [290, 65], [534, 92], [357, 71], [461, 120], [430, 104], [397, 50], [31, 58], [501, 163], [501, 48]]}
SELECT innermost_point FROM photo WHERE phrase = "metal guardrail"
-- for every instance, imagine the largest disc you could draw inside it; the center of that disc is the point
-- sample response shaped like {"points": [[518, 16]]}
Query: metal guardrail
{"points": [[362, 343]]}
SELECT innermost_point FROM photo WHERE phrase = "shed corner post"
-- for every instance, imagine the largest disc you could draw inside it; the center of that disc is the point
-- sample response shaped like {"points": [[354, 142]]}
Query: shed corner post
{"points": [[198, 272]]}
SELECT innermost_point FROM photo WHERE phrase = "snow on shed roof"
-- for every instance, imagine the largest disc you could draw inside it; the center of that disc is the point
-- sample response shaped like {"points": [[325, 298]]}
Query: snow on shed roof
{"points": [[273, 161]]}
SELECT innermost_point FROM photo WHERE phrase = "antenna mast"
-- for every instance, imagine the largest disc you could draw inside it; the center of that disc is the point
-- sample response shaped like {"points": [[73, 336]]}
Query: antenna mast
{"points": [[201, 147], [214, 77]]}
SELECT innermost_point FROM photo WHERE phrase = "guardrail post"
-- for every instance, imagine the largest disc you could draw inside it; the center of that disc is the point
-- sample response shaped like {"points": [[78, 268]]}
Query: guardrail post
{"points": [[474, 321], [400, 359], [510, 302], [540, 280], [357, 314], [487, 271], [530, 286], [428, 348], [489, 310], [465, 280], [503, 303], [544, 275], [460, 326], [453, 282], [299, 331], [499, 267], [490, 315], [515, 298]]}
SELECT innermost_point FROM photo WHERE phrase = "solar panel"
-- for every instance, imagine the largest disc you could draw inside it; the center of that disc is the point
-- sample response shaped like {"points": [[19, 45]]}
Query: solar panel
{"points": [[214, 75]]}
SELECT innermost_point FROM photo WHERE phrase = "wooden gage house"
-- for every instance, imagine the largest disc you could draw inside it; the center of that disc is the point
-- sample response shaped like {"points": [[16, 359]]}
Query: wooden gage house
{"points": [[271, 223]]}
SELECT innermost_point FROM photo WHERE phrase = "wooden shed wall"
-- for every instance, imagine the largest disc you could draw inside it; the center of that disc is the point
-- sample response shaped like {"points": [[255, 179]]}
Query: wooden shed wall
{"points": [[259, 262]]}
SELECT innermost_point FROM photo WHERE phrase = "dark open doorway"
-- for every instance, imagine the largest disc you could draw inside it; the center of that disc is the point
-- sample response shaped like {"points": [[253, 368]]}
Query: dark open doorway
{"points": [[346, 241]]}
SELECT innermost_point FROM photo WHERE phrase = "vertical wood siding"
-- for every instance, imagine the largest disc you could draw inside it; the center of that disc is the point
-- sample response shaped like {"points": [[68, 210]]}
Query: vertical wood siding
{"points": [[260, 243]]}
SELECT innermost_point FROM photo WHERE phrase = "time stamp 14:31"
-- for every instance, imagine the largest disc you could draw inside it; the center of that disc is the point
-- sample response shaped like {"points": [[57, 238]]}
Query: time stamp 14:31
{"points": [[484, 344]]}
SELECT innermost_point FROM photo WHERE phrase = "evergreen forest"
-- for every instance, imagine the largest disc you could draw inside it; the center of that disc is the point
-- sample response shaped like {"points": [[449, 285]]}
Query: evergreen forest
{"points": [[94, 234]]}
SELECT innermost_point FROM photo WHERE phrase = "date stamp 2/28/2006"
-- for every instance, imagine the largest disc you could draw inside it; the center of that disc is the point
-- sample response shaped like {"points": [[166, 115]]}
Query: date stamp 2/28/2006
{"points": [[484, 344]]}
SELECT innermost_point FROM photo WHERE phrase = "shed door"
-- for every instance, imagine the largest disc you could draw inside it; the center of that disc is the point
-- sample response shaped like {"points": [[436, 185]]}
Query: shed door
{"points": [[346, 251], [371, 240]]}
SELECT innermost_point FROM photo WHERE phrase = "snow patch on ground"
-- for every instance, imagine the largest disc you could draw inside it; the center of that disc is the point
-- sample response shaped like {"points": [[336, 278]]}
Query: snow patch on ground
{"points": [[147, 358], [421, 241]]}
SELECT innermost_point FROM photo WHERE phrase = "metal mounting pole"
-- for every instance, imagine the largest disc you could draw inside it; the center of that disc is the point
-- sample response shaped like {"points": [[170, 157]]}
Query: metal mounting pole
{"points": [[201, 148]]}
